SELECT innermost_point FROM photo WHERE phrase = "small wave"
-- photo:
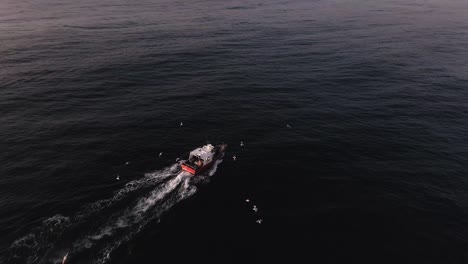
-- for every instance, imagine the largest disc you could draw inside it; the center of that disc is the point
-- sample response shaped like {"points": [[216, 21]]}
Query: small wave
{"points": [[103, 27], [238, 7], [29, 248]]}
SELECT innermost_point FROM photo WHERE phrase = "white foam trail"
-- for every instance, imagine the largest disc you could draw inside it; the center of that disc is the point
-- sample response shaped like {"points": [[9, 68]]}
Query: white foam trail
{"points": [[131, 216], [215, 167], [106, 234], [186, 190], [30, 247], [150, 179]]}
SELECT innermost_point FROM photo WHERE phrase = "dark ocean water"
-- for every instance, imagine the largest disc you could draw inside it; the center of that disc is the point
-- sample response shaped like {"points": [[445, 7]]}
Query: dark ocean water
{"points": [[353, 114]]}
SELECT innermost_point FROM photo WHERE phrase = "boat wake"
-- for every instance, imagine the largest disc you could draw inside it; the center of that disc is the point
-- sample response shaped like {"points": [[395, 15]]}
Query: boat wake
{"points": [[93, 233]]}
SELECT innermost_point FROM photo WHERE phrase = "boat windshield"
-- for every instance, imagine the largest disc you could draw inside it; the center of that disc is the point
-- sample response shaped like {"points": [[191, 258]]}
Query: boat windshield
{"points": [[199, 162], [196, 160]]}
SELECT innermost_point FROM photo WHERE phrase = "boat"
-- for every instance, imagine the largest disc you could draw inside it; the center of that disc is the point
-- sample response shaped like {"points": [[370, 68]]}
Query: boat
{"points": [[202, 158]]}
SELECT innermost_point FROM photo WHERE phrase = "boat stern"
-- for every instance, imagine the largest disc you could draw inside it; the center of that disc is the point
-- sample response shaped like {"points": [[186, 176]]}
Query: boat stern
{"points": [[188, 168]]}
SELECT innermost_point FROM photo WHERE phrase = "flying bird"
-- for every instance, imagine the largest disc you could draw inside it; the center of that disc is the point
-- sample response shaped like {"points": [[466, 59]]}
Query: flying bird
{"points": [[242, 143], [255, 208], [118, 177], [247, 200], [160, 154], [259, 221], [181, 124], [288, 126], [234, 157]]}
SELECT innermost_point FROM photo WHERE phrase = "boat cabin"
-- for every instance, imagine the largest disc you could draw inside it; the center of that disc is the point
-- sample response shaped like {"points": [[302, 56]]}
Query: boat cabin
{"points": [[202, 156]]}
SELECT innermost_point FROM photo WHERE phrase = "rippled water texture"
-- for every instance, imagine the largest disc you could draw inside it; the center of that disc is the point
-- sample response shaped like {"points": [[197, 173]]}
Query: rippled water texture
{"points": [[353, 115]]}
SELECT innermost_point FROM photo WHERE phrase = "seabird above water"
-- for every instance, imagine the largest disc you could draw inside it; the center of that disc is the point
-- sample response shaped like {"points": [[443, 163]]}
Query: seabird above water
{"points": [[255, 208]]}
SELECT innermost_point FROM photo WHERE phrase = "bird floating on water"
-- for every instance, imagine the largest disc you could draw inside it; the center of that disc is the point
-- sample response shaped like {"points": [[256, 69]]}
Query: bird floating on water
{"points": [[128, 162], [160, 154], [181, 124], [259, 221], [288, 126], [242, 143], [247, 200], [234, 157], [118, 177]]}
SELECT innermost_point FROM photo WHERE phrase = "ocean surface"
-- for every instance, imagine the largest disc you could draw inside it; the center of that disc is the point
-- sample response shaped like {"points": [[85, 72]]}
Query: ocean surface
{"points": [[353, 116]]}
